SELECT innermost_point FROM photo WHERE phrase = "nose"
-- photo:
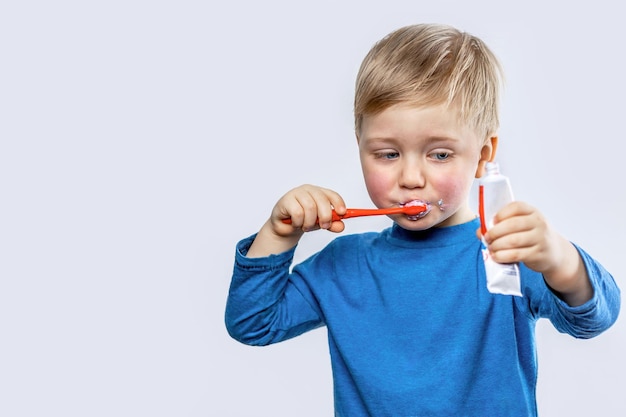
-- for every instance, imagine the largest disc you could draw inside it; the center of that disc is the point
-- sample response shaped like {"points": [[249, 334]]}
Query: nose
{"points": [[411, 175]]}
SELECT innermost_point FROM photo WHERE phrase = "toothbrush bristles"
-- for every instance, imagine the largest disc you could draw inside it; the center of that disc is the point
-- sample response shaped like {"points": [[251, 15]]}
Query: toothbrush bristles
{"points": [[415, 210]]}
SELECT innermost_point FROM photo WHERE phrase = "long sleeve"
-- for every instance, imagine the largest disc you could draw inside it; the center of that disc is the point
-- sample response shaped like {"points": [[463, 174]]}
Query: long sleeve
{"points": [[263, 306], [593, 317]]}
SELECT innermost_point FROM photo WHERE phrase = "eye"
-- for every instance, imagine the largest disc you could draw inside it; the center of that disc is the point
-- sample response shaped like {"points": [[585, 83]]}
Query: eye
{"points": [[386, 155], [441, 156]]}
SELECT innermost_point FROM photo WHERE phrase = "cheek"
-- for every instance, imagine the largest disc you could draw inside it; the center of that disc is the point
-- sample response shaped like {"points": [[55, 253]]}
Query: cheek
{"points": [[378, 185], [453, 189]]}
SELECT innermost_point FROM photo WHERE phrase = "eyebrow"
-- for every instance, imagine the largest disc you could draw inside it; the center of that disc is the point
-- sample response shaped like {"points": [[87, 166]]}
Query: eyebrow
{"points": [[435, 139], [428, 140]]}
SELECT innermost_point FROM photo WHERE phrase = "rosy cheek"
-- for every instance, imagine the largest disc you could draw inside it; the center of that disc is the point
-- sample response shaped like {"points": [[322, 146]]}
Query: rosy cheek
{"points": [[378, 186], [450, 190]]}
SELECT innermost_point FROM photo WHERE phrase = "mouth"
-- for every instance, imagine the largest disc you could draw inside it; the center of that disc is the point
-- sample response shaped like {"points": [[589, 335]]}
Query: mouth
{"points": [[414, 203]]}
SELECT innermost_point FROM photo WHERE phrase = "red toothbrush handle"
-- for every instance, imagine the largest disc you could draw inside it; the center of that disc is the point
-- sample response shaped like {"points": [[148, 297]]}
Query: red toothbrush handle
{"points": [[335, 217], [410, 210]]}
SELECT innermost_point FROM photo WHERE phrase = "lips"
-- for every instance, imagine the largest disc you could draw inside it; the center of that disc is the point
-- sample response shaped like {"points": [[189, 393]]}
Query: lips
{"points": [[421, 203]]}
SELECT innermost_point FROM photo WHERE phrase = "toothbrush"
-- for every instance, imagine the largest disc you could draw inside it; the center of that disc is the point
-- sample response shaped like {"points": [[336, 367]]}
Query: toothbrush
{"points": [[413, 210]]}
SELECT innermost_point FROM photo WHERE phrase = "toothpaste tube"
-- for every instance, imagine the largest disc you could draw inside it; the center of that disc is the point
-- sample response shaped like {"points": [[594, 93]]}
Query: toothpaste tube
{"points": [[495, 193]]}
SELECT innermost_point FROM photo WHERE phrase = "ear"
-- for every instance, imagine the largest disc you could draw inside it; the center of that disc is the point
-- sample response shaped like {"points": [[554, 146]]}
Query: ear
{"points": [[487, 154], [494, 147]]}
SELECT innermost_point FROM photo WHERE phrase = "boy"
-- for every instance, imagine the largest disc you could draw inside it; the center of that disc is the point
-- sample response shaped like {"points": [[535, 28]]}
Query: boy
{"points": [[412, 329]]}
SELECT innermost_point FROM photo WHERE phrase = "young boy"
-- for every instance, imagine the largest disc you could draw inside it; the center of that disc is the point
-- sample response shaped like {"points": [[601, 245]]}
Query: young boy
{"points": [[412, 329]]}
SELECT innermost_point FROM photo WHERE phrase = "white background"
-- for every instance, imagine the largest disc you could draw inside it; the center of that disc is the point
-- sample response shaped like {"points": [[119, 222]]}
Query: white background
{"points": [[140, 140]]}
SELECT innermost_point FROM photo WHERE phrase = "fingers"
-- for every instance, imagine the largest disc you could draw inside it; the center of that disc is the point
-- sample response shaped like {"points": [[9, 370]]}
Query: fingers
{"points": [[515, 217], [514, 209], [515, 232], [518, 247], [310, 208], [521, 234], [519, 231]]}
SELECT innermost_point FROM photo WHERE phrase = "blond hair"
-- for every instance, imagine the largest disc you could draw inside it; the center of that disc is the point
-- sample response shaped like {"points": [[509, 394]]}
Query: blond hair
{"points": [[430, 64]]}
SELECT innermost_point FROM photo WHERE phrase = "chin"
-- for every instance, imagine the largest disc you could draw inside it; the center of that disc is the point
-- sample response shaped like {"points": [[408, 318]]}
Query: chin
{"points": [[415, 225]]}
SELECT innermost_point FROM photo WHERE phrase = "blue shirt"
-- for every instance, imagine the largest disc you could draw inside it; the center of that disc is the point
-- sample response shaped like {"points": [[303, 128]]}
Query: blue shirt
{"points": [[412, 329]]}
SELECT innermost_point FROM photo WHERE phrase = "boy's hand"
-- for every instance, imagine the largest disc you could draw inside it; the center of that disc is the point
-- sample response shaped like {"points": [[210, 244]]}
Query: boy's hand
{"points": [[521, 234], [309, 207]]}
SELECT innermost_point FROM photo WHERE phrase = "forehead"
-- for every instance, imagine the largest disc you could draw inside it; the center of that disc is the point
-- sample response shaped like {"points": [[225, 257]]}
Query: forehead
{"points": [[403, 120]]}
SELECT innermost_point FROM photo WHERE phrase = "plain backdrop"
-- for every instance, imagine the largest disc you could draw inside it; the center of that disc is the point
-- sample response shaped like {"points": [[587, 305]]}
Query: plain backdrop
{"points": [[140, 140]]}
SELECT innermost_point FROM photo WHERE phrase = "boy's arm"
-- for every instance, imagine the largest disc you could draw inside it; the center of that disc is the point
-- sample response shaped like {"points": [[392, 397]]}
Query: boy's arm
{"points": [[268, 242], [263, 305], [569, 278], [591, 318]]}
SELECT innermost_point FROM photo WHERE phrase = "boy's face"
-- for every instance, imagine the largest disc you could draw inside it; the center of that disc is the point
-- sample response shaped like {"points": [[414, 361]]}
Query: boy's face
{"points": [[420, 154]]}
